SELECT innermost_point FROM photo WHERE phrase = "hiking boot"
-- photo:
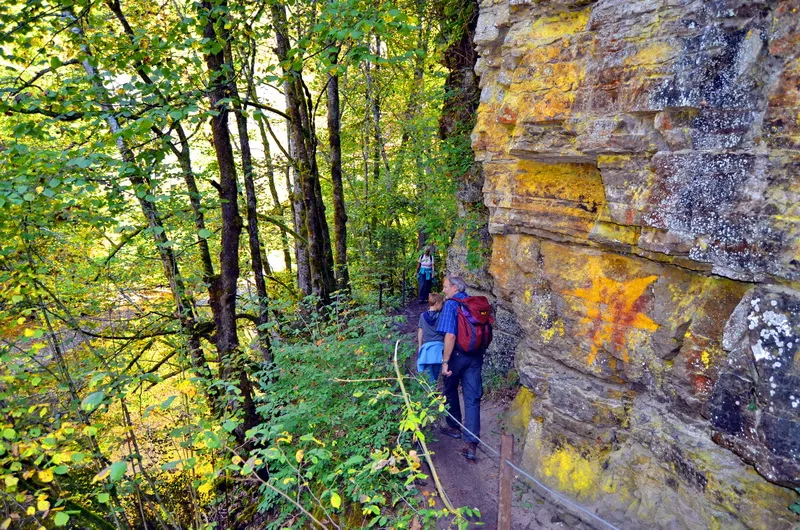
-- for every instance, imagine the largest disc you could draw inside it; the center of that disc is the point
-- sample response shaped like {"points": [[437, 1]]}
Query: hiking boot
{"points": [[468, 451], [450, 431]]}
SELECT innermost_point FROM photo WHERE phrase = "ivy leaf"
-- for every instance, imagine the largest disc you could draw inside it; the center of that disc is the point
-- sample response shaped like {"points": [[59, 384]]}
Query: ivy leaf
{"points": [[205, 234]]}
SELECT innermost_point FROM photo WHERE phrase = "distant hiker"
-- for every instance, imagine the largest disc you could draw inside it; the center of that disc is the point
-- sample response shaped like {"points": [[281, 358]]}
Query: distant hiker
{"points": [[425, 274], [466, 322], [429, 341]]}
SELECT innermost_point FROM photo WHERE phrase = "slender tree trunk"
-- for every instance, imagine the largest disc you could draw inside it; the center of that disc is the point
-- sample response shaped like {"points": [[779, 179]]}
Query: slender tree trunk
{"points": [[278, 207], [185, 160], [254, 241], [276, 201], [339, 212], [303, 140], [223, 289], [301, 252], [380, 148], [183, 154], [183, 302]]}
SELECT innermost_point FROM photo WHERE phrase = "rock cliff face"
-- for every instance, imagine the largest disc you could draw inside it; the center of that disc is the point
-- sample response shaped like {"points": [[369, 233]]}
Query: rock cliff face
{"points": [[642, 174]]}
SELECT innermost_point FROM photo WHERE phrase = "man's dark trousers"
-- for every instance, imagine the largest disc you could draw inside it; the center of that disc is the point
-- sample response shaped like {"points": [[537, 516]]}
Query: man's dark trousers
{"points": [[466, 369]]}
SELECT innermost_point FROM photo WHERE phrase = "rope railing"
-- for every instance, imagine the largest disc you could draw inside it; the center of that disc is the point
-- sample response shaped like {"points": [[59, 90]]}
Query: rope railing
{"points": [[561, 499]]}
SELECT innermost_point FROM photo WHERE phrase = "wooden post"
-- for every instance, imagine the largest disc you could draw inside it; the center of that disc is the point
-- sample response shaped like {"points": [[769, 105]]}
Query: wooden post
{"points": [[506, 476]]}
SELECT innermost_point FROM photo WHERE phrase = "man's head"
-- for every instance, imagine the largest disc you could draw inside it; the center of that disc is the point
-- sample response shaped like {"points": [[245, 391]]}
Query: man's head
{"points": [[435, 301], [453, 285]]}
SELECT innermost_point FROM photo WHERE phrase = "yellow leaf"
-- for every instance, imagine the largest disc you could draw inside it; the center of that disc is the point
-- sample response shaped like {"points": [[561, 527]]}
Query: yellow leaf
{"points": [[205, 487], [5, 524], [30, 511], [336, 501], [45, 475], [42, 506], [102, 474], [39, 189], [299, 455]]}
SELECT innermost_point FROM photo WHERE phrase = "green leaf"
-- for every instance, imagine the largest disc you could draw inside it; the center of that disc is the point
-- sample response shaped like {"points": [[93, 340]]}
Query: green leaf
{"points": [[61, 519], [167, 402], [118, 470], [61, 470], [9, 434], [103, 498], [230, 425], [93, 400], [55, 62]]}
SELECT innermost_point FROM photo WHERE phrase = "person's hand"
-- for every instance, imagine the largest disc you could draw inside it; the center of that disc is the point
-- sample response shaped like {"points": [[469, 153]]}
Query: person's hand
{"points": [[446, 370]]}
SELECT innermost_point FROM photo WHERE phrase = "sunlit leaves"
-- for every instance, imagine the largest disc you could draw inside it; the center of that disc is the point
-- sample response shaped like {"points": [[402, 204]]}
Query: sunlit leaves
{"points": [[93, 400]]}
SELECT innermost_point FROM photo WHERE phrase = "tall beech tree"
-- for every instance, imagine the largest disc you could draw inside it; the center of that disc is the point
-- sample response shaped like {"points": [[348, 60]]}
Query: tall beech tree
{"points": [[339, 208], [223, 288], [302, 136]]}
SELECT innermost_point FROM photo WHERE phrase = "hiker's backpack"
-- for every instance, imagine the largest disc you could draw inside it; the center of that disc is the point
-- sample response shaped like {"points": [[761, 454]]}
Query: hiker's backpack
{"points": [[474, 324]]}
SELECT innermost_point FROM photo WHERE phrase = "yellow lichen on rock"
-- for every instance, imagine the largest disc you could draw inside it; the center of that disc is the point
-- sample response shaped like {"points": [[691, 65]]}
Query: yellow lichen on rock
{"points": [[573, 472], [572, 182], [561, 25], [655, 53], [519, 412]]}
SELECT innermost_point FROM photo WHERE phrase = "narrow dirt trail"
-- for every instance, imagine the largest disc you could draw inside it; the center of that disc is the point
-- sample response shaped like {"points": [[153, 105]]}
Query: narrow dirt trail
{"points": [[476, 484]]}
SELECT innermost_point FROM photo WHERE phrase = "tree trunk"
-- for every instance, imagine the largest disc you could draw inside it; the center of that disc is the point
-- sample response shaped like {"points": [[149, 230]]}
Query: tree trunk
{"points": [[303, 140], [184, 304], [254, 241], [339, 212], [223, 289], [278, 207], [276, 201], [298, 218], [183, 154]]}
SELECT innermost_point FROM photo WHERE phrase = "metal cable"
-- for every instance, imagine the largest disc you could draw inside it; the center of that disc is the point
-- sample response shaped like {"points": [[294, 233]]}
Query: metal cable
{"points": [[553, 493]]}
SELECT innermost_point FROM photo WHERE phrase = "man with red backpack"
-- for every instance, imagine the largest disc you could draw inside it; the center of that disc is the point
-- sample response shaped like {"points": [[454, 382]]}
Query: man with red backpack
{"points": [[466, 322]]}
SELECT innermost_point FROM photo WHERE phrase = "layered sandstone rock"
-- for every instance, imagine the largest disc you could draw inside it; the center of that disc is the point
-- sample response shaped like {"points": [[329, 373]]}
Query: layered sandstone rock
{"points": [[642, 174]]}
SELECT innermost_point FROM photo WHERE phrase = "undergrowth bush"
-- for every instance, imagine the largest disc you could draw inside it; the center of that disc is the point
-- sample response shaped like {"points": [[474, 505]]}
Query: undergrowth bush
{"points": [[340, 440]]}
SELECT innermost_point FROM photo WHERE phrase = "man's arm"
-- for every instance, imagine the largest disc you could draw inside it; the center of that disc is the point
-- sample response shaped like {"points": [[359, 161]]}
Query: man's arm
{"points": [[419, 338], [449, 344]]}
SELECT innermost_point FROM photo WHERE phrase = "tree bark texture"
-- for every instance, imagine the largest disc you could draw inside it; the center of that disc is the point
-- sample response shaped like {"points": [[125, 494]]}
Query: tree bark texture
{"points": [[303, 140], [339, 211], [223, 289]]}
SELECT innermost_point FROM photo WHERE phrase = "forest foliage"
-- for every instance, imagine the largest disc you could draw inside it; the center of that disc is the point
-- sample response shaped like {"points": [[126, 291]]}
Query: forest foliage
{"points": [[201, 205]]}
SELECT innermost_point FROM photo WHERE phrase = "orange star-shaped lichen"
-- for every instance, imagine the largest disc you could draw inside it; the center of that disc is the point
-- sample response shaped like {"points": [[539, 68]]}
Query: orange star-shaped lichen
{"points": [[612, 309]]}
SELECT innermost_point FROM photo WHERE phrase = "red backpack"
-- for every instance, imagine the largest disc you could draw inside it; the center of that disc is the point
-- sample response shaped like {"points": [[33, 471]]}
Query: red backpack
{"points": [[474, 324]]}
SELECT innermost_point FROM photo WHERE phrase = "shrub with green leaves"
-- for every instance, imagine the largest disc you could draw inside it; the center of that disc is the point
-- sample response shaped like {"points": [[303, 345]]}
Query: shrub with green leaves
{"points": [[340, 440]]}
